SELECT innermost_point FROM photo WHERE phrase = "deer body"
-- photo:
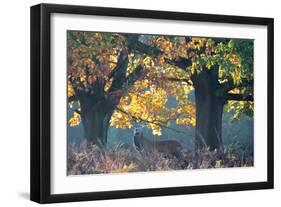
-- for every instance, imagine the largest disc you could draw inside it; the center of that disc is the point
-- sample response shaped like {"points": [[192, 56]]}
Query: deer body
{"points": [[167, 147]]}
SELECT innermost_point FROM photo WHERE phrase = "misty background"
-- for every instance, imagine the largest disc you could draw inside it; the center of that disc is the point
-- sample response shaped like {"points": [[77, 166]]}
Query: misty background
{"points": [[240, 131]]}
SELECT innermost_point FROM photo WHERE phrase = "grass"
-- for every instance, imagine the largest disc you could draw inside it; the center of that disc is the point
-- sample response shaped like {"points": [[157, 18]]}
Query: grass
{"points": [[89, 159]]}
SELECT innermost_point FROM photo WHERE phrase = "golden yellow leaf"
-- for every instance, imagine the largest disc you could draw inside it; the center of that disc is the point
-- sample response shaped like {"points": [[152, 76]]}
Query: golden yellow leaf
{"points": [[70, 90], [75, 120]]}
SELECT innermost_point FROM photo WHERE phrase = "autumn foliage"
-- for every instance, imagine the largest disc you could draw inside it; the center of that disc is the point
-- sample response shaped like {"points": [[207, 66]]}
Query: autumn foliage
{"points": [[126, 78]]}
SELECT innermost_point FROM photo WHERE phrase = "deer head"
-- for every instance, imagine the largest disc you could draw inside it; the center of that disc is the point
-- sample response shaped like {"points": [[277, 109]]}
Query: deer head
{"points": [[137, 129]]}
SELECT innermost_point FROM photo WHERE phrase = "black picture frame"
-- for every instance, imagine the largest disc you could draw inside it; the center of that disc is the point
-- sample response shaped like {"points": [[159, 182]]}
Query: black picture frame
{"points": [[41, 96]]}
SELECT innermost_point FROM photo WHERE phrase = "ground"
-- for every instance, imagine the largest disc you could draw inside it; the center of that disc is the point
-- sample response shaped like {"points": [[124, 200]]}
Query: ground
{"points": [[89, 159]]}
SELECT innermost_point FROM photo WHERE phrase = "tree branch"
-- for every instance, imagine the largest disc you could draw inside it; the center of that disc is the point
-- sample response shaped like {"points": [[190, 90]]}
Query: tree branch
{"points": [[149, 50], [116, 94], [239, 97], [134, 76], [132, 41], [153, 51], [147, 121], [187, 81], [228, 86], [119, 72], [180, 62]]}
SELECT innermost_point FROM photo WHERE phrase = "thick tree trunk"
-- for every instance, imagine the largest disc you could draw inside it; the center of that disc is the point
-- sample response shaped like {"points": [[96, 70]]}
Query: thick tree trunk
{"points": [[98, 105], [209, 109], [95, 118], [95, 126]]}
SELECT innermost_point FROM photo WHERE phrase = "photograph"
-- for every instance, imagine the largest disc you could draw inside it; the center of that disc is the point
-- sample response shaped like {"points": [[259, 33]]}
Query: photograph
{"points": [[158, 102]]}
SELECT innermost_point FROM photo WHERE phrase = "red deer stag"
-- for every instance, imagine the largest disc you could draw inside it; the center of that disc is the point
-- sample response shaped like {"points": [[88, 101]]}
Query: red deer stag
{"points": [[142, 144]]}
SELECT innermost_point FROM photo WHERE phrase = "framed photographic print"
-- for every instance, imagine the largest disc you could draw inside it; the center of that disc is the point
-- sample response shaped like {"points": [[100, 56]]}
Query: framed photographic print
{"points": [[132, 103]]}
